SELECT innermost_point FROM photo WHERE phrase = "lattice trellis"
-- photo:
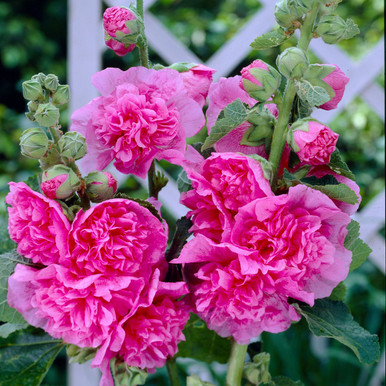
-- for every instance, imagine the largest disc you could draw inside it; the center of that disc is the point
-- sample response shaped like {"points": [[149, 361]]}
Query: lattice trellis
{"points": [[85, 59]]}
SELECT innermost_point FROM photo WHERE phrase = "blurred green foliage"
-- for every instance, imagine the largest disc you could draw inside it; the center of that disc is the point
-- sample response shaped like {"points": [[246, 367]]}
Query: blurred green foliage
{"points": [[33, 39]]}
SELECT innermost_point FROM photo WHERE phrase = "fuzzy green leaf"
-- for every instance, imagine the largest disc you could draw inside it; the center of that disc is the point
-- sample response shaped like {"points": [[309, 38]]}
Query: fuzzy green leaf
{"points": [[339, 166], [203, 344], [332, 319], [311, 94], [271, 39], [8, 263], [233, 116], [340, 192], [360, 250], [26, 356]]}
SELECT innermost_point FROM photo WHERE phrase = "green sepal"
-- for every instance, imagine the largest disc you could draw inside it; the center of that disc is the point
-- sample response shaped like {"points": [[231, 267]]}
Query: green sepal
{"points": [[183, 182], [125, 375]]}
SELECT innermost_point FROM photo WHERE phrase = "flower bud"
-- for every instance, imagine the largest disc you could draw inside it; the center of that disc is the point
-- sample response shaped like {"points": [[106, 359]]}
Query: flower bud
{"points": [[32, 106], [100, 186], [51, 82], [59, 182], [262, 128], [331, 29], [115, 22], [34, 143], [32, 90], [61, 95], [292, 63], [312, 141], [287, 12], [39, 78], [260, 80], [72, 145], [47, 115], [80, 355]]}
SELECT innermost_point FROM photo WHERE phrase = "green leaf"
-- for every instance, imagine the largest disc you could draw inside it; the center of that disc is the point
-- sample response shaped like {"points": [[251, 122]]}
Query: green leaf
{"points": [[351, 29], [34, 183], [313, 95], [360, 250], [332, 319], [8, 328], [233, 116], [203, 344], [271, 39], [327, 185], [339, 166], [6, 244], [339, 292], [340, 192], [26, 356], [183, 182], [8, 263]]}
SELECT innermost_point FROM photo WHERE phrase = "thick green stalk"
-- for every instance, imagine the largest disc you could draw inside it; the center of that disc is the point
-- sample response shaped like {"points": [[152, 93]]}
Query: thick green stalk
{"points": [[173, 372], [153, 191], [236, 364], [142, 43], [279, 134]]}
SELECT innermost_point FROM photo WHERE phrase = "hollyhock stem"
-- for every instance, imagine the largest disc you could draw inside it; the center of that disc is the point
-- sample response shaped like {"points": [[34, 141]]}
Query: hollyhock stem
{"points": [[142, 44], [173, 372], [279, 134], [153, 191], [236, 364]]}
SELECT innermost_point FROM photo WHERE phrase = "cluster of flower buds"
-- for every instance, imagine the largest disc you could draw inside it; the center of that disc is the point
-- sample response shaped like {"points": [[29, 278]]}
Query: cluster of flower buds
{"points": [[44, 94]]}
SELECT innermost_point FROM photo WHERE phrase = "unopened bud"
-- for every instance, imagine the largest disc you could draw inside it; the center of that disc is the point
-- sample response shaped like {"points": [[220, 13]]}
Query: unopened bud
{"points": [[61, 95], [260, 80], [59, 182], [32, 90], [51, 82], [32, 106], [100, 186], [34, 143], [80, 355], [39, 78], [262, 128], [47, 115], [332, 29], [72, 145], [287, 12], [293, 63]]}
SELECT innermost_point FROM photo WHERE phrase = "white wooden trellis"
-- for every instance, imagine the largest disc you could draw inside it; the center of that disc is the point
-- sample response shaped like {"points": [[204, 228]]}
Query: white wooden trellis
{"points": [[84, 59]]}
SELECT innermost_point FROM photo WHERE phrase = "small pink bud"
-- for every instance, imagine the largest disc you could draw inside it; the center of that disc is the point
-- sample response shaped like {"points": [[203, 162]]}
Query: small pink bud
{"points": [[312, 141], [100, 186], [337, 80]]}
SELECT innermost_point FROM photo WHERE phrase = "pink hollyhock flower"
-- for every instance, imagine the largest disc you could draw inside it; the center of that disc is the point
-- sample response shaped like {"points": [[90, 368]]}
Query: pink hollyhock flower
{"points": [[321, 171], [337, 80], [114, 20], [142, 114], [117, 237], [221, 185], [230, 292], [153, 333], [37, 224], [222, 93], [280, 246], [313, 142], [79, 310], [197, 82]]}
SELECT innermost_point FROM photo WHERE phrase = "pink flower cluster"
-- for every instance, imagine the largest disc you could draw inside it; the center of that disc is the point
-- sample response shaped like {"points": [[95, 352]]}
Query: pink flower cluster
{"points": [[142, 115], [102, 281], [253, 250]]}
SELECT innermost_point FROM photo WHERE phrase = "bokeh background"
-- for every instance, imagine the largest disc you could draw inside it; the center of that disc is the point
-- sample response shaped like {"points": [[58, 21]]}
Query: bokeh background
{"points": [[33, 38]]}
